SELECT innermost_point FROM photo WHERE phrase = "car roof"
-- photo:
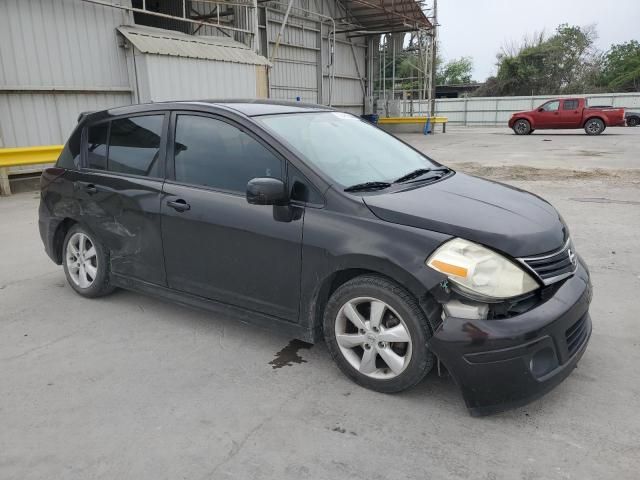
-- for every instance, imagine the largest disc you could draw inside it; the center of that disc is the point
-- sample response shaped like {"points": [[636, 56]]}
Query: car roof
{"points": [[248, 107]]}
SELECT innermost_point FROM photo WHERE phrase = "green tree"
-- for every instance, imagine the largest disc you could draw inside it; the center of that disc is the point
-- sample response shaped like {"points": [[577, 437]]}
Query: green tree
{"points": [[621, 67], [542, 66], [455, 72]]}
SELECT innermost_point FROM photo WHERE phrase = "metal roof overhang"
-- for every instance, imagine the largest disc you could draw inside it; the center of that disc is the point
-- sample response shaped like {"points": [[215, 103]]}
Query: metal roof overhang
{"points": [[166, 42], [386, 16]]}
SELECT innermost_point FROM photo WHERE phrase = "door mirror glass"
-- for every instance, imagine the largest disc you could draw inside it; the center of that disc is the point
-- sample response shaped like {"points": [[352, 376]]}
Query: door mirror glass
{"points": [[266, 191]]}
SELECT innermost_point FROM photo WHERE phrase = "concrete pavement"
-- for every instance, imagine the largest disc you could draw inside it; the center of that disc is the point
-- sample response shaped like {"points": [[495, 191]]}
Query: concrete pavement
{"points": [[128, 386]]}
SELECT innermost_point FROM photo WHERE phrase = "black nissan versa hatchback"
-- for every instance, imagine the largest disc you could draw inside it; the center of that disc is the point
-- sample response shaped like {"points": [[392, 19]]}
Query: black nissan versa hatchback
{"points": [[313, 222]]}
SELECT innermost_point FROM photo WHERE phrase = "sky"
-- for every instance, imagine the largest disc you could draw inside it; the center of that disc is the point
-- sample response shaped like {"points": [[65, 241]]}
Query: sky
{"points": [[478, 28]]}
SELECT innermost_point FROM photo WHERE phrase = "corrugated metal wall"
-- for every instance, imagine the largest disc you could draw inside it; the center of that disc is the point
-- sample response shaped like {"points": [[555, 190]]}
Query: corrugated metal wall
{"points": [[303, 57], [175, 78], [490, 111], [57, 58]]}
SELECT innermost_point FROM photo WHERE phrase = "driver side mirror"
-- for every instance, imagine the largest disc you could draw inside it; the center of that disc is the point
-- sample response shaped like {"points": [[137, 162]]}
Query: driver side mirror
{"points": [[267, 191], [541, 109]]}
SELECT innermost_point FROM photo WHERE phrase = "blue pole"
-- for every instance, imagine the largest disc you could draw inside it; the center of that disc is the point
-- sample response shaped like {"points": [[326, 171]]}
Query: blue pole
{"points": [[427, 126]]}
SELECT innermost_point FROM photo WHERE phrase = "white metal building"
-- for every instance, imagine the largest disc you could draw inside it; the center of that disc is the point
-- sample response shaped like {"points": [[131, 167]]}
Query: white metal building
{"points": [[59, 58]]}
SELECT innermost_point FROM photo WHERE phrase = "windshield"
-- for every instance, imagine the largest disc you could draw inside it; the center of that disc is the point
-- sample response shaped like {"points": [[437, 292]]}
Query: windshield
{"points": [[346, 149]]}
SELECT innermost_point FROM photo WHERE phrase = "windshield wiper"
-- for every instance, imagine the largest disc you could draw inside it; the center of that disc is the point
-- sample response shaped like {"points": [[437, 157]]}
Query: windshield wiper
{"points": [[418, 173], [367, 186]]}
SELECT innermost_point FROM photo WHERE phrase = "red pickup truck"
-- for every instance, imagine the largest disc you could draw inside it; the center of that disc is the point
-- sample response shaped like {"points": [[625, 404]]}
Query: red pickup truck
{"points": [[567, 113]]}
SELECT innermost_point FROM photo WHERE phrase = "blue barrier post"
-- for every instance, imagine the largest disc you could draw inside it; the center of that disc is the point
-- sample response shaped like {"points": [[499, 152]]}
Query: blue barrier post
{"points": [[427, 126]]}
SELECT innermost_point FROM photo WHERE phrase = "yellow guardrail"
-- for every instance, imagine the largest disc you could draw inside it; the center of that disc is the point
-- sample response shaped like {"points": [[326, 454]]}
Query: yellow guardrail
{"points": [[24, 156], [402, 120]]}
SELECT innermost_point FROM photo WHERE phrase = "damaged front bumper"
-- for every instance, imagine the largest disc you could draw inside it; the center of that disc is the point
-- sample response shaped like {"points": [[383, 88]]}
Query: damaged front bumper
{"points": [[505, 363]]}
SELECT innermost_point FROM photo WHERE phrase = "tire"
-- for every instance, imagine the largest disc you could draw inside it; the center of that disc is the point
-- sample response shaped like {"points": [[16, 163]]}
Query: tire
{"points": [[633, 122], [86, 263], [389, 366], [522, 127], [594, 126]]}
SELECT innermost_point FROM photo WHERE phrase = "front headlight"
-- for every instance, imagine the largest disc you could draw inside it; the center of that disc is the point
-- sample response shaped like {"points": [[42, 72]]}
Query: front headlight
{"points": [[480, 271]]}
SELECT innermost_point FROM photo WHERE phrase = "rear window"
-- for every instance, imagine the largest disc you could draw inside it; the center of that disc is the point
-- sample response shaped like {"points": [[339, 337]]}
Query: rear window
{"points": [[126, 145]]}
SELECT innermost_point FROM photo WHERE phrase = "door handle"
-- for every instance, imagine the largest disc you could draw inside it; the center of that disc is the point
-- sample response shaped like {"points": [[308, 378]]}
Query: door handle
{"points": [[91, 189], [179, 205]]}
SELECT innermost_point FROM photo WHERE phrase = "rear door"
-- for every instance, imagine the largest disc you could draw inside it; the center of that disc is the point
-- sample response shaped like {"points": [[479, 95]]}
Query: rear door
{"points": [[216, 244], [119, 188], [547, 115], [569, 115]]}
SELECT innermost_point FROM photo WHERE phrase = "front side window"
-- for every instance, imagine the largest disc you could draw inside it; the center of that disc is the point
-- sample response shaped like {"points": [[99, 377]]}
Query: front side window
{"points": [[345, 148], [551, 106], [213, 153]]}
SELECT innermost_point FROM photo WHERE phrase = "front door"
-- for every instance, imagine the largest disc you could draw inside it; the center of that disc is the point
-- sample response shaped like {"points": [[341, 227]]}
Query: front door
{"points": [[216, 244], [547, 116]]}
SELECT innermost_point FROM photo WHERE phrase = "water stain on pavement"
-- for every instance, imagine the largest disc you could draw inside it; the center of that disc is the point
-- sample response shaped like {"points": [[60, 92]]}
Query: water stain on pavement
{"points": [[289, 354], [605, 200]]}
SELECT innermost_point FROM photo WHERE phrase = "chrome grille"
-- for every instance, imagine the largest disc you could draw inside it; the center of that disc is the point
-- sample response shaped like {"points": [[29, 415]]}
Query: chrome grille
{"points": [[555, 266]]}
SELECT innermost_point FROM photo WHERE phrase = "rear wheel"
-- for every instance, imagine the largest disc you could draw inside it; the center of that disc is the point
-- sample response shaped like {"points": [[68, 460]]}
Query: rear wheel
{"points": [[377, 334], [85, 263], [594, 126], [522, 127]]}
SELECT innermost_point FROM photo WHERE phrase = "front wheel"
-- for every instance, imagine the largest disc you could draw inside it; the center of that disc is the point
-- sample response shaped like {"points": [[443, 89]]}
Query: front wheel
{"points": [[522, 127], [633, 122], [595, 126], [377, 334], [86, 263]]}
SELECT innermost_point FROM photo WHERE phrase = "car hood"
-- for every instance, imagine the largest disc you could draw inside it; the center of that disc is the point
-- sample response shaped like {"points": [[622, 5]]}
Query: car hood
{"points": [[496, 215]]}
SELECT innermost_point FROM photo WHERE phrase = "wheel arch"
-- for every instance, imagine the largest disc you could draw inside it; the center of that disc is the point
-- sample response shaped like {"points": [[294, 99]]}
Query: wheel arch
{"points": [[594, 117], [59, 235], [524, 117], [327, 286]]}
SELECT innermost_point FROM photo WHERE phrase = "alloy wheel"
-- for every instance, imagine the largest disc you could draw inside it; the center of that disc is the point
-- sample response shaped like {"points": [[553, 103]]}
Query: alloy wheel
{"points": [[593, 127], [373, 338], [82, 260], [522, 126]]}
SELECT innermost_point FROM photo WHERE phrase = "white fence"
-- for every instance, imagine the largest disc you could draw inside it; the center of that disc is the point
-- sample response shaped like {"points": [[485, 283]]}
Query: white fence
{"points": [[491, 111]]}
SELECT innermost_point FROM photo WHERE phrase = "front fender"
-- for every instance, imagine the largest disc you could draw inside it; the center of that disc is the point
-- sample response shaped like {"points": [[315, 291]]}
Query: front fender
{"points": [[520, 116], [333, 243]]}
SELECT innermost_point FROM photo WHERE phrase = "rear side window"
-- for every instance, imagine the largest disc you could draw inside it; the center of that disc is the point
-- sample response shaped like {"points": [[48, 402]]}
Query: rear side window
{"points": [[213, 153], [134, 145], [126, 145], [570, 105], [97, 146]]}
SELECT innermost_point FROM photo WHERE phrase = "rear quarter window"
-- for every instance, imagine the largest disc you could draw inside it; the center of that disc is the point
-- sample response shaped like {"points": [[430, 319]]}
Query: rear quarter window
{"points": [[70, 156]]}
